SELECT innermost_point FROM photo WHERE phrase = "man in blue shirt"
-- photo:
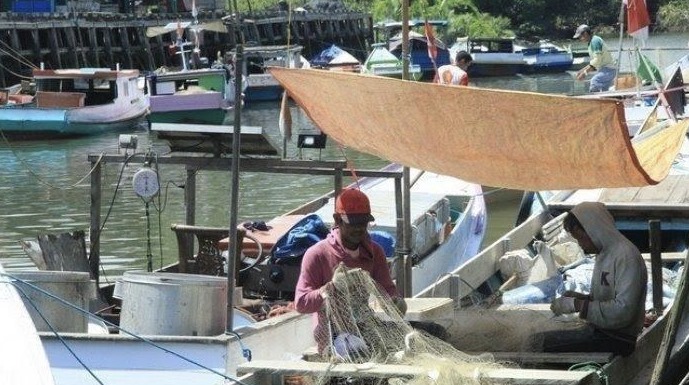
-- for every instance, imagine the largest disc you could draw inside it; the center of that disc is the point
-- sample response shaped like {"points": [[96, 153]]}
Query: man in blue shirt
{"points": [[601, 60]]}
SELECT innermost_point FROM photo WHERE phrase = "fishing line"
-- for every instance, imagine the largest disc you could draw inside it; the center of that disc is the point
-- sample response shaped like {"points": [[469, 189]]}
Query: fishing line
{"points": [[138, 337], [42, 181]]}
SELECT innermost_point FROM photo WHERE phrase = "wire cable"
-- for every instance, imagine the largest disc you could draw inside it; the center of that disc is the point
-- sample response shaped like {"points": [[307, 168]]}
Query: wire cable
{"points": [[52, 329], [136, 336]]}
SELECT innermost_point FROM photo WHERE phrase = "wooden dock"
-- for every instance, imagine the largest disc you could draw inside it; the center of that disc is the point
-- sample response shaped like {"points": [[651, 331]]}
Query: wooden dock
{"points": [[97, 39]]}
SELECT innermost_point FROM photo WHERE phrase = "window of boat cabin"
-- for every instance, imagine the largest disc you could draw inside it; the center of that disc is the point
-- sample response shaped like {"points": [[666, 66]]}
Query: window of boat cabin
{"points": [[98, 91]]}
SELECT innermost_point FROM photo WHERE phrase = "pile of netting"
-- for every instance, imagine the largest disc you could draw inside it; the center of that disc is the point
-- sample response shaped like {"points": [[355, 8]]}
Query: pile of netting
{"points": [[364, 326]]}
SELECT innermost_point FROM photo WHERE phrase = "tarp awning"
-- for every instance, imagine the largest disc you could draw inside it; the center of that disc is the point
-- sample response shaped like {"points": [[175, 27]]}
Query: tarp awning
{"points": [[498, 138]]}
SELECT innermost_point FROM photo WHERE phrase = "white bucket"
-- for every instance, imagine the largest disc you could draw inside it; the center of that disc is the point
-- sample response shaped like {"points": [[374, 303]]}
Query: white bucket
{"points": [[173, 304], [74, 287]]}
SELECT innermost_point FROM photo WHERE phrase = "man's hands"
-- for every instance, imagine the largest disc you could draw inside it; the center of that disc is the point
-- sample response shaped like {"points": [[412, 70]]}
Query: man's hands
{"points": [[562, 305], [570, 302], [581, 75]]}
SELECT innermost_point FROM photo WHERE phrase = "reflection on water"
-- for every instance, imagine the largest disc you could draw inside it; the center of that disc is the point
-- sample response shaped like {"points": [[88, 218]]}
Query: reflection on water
{"points": [[45, 187]]}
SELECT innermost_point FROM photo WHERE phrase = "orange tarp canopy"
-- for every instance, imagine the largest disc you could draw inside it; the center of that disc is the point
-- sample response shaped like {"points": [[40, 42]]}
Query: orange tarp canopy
{"points": [[498, 138]]}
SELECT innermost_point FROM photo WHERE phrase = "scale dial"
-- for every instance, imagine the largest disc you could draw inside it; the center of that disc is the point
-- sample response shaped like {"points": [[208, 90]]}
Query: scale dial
{"points": [[145, 183]]}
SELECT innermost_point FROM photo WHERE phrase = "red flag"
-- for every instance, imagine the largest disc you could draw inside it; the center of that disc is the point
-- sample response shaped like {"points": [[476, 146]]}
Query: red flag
{"points": [[430, 42], [637, 18]]}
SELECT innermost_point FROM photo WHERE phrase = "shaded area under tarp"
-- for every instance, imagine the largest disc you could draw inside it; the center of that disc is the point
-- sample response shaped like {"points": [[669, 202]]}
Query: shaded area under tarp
{"points": [[498, 138]]}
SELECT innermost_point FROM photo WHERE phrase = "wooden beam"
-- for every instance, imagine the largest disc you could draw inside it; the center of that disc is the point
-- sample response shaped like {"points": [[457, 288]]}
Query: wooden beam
{"points": [[667, 256], [548, 358], [372, 370]]}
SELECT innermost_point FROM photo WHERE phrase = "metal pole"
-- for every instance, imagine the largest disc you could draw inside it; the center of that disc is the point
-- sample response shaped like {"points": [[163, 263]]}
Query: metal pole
{"points": [[406, 233], [405, 39], [234, 195]]}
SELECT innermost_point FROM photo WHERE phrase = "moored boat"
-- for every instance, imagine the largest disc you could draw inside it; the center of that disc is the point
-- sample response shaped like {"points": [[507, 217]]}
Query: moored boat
{"points": [[382, 62], [545, 57], [190, 96], [196, 91], [75, 102], [418, 45], [492, 56], [335, 58], [261, 86]]}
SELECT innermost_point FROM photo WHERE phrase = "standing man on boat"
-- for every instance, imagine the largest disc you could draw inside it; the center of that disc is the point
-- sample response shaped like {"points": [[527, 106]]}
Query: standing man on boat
{"points": [[615, 308], [349, 244], [601, 60], [456, 73]]}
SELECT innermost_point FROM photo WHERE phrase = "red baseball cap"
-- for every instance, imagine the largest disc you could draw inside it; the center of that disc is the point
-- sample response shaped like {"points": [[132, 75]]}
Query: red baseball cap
{"points": [[353, 206]]}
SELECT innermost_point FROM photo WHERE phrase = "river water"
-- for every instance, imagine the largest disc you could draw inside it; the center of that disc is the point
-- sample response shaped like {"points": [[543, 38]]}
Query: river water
{"points": [[44, 185]]}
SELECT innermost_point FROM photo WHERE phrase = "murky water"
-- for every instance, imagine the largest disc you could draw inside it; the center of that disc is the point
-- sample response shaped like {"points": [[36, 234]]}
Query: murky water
{"points": [[44, 185]]}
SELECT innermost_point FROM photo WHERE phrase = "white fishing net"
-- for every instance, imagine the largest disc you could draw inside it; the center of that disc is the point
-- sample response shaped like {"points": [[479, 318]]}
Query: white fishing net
{"points": [[363, 325]]}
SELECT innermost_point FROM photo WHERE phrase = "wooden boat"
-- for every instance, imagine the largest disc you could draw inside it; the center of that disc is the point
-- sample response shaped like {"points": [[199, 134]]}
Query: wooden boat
{"points": [[449, 215], [196, 91], [418, 44], [492, 56], [261, 85], [474, 288], [202, 96], [382, 62], [74, 102], [545, 57], [335, 58]]}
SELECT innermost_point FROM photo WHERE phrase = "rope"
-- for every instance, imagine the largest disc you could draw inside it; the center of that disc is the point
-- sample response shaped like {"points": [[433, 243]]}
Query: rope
{"points": [[29, 170], [138, 337]]}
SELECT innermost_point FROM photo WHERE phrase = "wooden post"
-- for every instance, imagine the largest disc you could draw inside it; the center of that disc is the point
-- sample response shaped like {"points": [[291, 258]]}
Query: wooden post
{"points": [[93, 42], [675, 317], [55, 47], [148, 55], [94, 231], [126, 47], [73, 53], [190, 204], [107, 39], [36, 46], [654, 241]]}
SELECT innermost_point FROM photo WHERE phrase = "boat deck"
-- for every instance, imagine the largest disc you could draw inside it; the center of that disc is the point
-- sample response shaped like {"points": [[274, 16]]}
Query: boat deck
{"points": [[669, 197]]}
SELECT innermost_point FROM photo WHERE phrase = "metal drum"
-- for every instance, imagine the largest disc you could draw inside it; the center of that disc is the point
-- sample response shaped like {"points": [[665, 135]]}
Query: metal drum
{"points": [[173, 304]]}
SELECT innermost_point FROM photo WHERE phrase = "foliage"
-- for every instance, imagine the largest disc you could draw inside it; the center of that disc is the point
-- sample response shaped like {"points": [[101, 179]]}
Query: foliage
{"points": [[492, 18], [673, 17]]}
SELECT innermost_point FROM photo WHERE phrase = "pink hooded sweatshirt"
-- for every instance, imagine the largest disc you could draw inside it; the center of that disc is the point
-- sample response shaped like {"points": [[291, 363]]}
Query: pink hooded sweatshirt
{"points": [[320, 262]]}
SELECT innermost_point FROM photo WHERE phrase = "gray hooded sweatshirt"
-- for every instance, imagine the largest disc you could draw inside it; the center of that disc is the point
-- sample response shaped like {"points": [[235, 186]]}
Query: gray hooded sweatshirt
{"points": [[618, 285]]}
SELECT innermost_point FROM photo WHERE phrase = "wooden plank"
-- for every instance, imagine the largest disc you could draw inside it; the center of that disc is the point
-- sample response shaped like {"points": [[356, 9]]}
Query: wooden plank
{"points": [[623, 194], [372, 370], [548, 358], [667, 256], [204, 128], [660, 192]]}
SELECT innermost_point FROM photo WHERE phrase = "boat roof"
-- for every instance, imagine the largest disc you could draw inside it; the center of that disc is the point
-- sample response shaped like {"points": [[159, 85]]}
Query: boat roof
{"points": [[270, 49], [512, 139], [84, 73], [411, 23]]}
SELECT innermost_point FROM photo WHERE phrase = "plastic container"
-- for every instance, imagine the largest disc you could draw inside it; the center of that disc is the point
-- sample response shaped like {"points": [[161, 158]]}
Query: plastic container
{"points": [[74, 287], [173, 304]]}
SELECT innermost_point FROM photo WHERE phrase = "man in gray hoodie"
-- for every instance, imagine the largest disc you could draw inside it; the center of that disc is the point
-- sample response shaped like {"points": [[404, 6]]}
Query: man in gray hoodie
{"points": [[615, 309]]}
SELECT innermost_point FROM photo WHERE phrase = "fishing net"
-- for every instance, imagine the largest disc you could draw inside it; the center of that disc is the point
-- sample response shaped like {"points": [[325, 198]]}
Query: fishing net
{"points": [[361, 325]]}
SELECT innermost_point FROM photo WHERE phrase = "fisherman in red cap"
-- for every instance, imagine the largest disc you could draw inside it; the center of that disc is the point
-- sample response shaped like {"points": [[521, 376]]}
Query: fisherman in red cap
{"points": [[349, 244]]}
